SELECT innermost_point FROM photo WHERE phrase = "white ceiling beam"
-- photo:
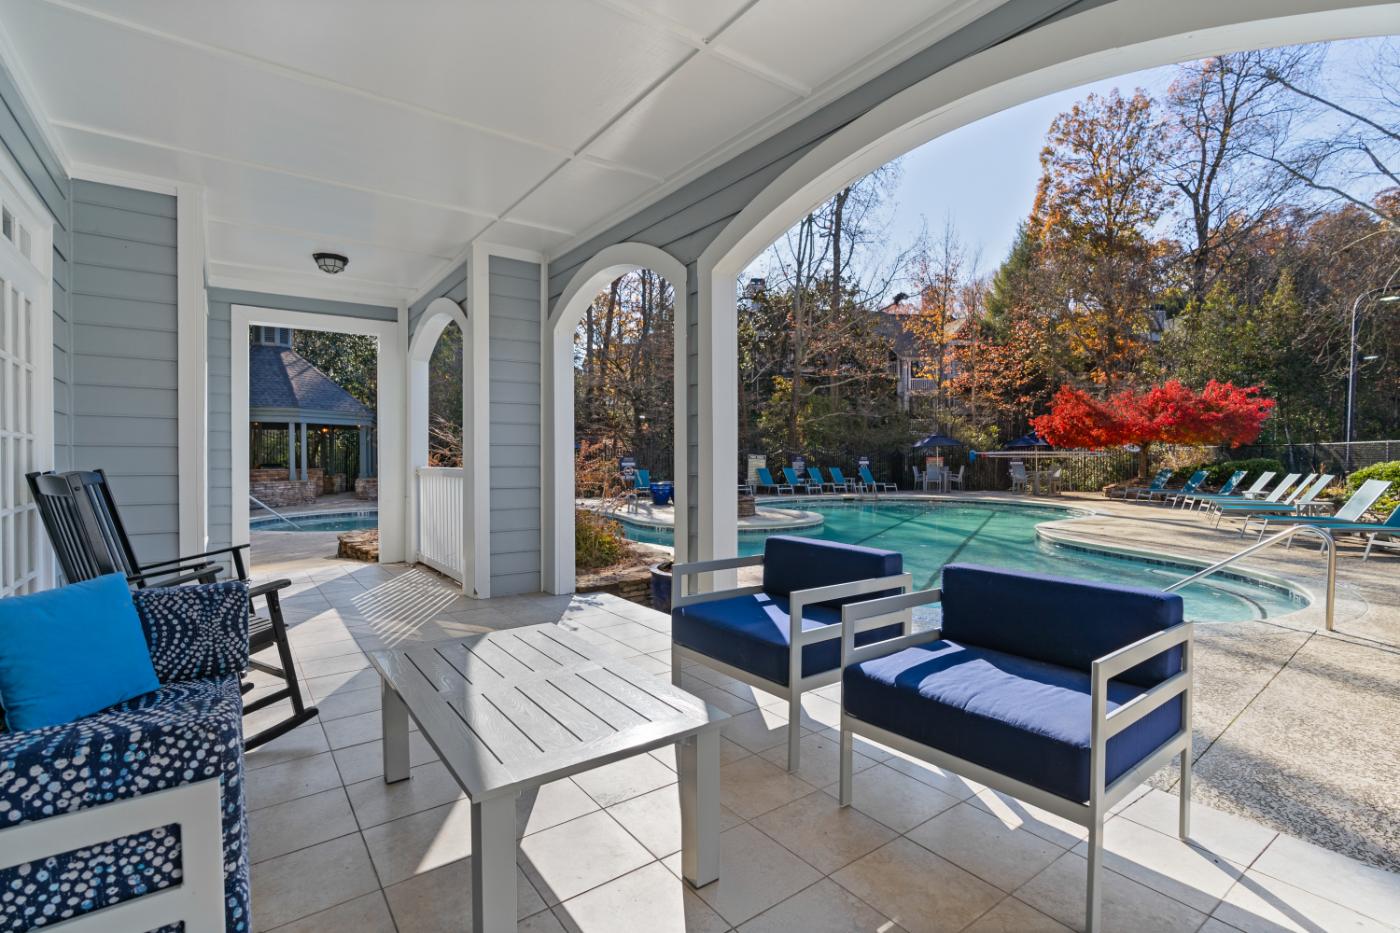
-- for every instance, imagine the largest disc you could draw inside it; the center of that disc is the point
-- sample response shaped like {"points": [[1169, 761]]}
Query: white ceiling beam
{"points": [[324, 235], [291, 173]]}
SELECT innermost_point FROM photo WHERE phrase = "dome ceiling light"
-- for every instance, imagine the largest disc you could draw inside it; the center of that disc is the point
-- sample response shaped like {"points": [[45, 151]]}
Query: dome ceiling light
{"points": [[330, 263]]}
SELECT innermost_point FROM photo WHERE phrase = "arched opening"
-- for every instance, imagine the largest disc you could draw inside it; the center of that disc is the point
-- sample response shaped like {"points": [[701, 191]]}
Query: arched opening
{"points": [[592, 278], [438, 386]]}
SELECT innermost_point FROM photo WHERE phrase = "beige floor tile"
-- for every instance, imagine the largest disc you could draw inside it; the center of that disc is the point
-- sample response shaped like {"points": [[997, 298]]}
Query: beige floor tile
{"points": [[299, 778], [722, 699], [916, 889], [367, 914], [1259, 903], [621, 780], [825, 907], [728, 752], [979, 842], [330, 685], [650, 899], [566, 860], [348, 703], [335, 648], [755, 873], [362, 762], [820, 713], [1369, 890], [429, 785], [1013, 916], [356, 730], [440, 901], [752, 786], [1059, 892], [337, 664], [757, 730], [553, 803], [1018, 814], [822, 833], [296, 824], [1166, 864], [820, 762], [310, 880], [302, 742], [655, 819], [414, 844], [895, 799], [1223, 834], [925, 773]]}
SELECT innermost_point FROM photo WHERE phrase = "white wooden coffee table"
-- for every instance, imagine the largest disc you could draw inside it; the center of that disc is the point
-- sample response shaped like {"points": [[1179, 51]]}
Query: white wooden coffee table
{"points": [[511, 710]]}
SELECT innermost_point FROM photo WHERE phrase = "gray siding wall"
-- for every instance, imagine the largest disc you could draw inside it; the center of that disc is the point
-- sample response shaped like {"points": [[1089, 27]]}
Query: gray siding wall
{"points": [[221, 302], [515, 321], [20, 137], [453, 286], [124, 386]]}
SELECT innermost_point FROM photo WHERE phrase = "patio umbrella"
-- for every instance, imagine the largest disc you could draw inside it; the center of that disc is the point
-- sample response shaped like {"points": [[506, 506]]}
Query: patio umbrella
{"points": [[937, 440], [1027, 441]]}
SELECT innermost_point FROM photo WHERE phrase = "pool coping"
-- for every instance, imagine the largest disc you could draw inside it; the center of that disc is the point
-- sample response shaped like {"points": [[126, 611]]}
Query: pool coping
{"points": [[308, 513]]}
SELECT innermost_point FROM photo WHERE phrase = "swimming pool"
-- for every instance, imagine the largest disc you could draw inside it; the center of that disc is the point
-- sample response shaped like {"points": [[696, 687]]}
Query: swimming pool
{"points": [[324, 521], [931, 534]]}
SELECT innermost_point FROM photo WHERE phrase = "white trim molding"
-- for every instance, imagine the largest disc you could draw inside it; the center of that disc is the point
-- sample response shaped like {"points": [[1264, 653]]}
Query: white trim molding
{"points": [[557, 391], [476, 424], [192, 369], [390, 413]]}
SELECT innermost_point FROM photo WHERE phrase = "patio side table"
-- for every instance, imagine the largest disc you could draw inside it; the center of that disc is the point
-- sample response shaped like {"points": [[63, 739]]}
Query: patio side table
{"points": [[511, 710]]}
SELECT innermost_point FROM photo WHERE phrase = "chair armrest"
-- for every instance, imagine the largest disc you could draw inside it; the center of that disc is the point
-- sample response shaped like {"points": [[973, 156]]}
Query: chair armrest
{"points": [[1106, 668], [195, 632], [176, 576], [271, 586], [679, 573], [801, 599], [233, 550], [877, 613]]}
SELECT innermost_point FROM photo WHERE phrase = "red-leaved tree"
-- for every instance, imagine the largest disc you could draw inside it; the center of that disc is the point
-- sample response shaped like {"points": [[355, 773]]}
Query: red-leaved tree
{"points": [[1221, 413]]}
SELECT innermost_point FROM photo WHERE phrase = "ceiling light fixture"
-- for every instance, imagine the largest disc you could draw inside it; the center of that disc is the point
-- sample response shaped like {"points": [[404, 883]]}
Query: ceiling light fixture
{"points": [[330, 263]]}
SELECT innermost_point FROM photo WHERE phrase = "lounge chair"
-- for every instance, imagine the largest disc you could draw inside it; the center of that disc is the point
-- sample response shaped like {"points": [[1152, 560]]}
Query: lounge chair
{"points": [[875, 485], [1192, 484], [1280, 489], [641, 480], [1297, 502], [839, 479], [1255, 491], [747, 633], [765, 481], [1158, 482], [1225, 490], [1349, 513], [815, 473], [1020, 482], [797, 482], [956, 479], [1064, 694], [1385, 534]]}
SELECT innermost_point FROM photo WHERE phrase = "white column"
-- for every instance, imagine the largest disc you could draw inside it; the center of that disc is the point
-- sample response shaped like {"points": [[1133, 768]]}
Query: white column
{"points": [[291, 451], [718, 392], [476, 427], [303, 451]]}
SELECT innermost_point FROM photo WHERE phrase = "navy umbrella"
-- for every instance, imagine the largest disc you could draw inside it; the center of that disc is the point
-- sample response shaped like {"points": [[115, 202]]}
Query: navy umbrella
{"points": [[1027, 441], [937, 440]]}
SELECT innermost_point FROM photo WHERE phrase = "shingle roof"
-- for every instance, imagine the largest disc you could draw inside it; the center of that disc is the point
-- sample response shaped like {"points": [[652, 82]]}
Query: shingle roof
{"points": [[282, 378]]}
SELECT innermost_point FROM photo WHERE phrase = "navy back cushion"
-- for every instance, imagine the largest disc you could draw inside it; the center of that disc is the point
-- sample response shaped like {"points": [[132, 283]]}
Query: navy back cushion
{"points": [[1059, 621], [791, 563]]}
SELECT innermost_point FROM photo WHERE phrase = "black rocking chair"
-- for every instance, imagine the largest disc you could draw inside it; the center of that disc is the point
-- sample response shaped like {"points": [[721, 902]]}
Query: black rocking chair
{"points": [[88, 536]]}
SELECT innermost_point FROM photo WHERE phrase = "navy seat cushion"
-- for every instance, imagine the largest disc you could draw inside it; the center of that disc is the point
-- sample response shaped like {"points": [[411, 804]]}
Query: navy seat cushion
{"points": [[792, 563], [752, 633], [1066, 622], [1022, 718]]}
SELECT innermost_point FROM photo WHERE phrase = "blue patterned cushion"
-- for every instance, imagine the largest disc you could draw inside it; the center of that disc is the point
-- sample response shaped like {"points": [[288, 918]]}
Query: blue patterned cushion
{"points": [[196, 631], [180, 733]]}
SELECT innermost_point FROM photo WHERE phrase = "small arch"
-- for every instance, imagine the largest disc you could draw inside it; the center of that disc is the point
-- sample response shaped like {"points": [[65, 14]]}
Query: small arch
{"points": [[592, 277]]}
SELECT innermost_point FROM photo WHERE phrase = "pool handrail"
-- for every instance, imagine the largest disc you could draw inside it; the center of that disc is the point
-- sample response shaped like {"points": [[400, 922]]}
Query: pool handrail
{"points": [[263, 505], [1329, 543]]}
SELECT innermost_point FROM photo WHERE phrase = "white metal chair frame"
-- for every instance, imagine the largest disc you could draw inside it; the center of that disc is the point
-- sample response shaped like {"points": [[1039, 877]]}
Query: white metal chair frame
{"points": [[1104, 725], [198, 899], [797, 638]]}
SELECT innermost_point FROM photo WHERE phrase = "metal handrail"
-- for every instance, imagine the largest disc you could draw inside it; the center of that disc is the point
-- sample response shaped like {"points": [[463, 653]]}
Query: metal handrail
{"points": [[1328, 541], [263, 505]]}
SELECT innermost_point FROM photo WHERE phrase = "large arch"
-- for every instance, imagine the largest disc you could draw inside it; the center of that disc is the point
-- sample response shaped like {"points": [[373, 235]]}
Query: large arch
{"points": [[1113, 39], [558, 391], [439, 313]]}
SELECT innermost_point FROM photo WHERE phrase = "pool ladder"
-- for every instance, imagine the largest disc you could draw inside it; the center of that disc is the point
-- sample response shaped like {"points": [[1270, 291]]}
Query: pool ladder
{"points": [[263, 505], [1328, 543]]}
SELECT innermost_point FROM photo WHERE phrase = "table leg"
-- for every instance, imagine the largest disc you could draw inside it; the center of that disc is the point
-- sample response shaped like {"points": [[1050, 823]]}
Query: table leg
{"points": [[493, 865], [394, 716], [697, 760]]}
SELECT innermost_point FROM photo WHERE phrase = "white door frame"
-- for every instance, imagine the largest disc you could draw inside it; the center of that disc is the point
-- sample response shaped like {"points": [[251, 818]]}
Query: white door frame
{"points": [[389, 418]]}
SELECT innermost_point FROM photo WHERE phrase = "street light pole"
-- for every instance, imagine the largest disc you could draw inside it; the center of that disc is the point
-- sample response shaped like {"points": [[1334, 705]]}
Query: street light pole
{"points": [[1351, 358]]}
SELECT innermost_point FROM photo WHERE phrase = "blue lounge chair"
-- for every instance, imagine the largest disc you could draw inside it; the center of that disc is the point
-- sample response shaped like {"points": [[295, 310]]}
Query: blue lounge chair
{"points": [[641, 480], [1158, 482], [797, 482], [1350, 511], [874, 485], [765, 481], [1225, 490], [1192, 484], [1276, 494], [839, 479], [1387, 531], [816, 474], [1299, 502], [1065, 694], [1255, 491], [747, 633]]}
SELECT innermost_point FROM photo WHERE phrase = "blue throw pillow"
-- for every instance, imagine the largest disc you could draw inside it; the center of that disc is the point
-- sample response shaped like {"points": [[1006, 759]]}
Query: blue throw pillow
{"points": [[69, 652]]}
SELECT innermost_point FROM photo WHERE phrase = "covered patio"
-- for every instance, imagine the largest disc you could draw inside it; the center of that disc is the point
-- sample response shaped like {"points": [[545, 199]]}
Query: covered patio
{"points": [[167, 175]]}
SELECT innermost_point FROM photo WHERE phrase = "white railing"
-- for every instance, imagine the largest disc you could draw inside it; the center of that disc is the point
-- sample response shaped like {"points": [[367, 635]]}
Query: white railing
{"points": [[440, 519]]}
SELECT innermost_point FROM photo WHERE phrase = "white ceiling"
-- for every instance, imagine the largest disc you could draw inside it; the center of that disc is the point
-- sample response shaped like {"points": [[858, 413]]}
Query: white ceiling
{"points": [[397, 132]]}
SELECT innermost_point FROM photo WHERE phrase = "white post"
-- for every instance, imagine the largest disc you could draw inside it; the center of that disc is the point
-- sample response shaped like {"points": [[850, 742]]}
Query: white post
{"points": [[718, 379], [304, 476], [291, 451]]}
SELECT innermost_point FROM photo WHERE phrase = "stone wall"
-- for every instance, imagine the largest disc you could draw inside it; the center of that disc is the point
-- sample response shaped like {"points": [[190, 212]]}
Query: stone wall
{"points": [[271, 487], [367, 488]]}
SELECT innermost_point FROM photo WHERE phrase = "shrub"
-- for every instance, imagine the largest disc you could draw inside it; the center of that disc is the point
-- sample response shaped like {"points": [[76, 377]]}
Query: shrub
{"points": [[598, 541], [1386, 471]]}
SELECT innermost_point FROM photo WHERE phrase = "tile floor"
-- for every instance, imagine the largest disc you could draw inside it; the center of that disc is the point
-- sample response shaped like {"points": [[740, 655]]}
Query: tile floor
{"points": [[335, 849]]}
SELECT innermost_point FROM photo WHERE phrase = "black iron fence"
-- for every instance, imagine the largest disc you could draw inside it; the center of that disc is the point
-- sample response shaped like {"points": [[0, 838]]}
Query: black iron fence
{"points": [[332, 449]]}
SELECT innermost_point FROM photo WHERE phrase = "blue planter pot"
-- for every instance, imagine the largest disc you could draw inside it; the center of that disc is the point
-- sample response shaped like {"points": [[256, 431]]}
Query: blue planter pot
{"points": [[661, 586]]}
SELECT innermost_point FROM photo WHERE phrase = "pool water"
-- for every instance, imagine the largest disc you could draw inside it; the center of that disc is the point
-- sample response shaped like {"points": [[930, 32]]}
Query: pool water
{"points": [[328, 521], [930, 535]]}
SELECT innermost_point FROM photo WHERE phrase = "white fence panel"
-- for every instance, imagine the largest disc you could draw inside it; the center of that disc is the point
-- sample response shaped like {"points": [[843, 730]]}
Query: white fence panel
{"points": [[440, 519]]}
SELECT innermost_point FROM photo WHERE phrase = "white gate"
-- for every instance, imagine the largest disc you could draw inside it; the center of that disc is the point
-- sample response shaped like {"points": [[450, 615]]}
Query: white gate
{"points": [[440, 519], [26, 382]]}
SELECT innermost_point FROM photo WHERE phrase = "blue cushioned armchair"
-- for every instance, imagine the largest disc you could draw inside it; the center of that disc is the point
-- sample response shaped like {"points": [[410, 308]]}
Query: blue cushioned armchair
{"points": [[1062, 693], [746, 633], [133, 818]]}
